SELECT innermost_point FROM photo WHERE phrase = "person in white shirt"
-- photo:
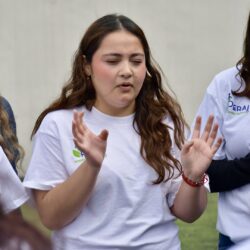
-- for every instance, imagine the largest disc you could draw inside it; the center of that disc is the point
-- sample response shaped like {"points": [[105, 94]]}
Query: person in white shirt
{"points": [[228, 98], [12, 192], [105, 170]]}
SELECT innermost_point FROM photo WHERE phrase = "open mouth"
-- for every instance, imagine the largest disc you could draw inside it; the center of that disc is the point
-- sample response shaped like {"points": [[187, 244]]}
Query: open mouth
{"points": [[126, 85]]}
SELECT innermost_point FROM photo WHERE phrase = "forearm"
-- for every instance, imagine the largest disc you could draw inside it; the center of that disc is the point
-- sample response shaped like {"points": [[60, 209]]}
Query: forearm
{"points": [[190, 202], [226, 175], [63, 203]]}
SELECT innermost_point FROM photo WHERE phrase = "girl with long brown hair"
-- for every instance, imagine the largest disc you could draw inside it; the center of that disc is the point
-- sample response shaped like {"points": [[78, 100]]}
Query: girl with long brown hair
{"points": [[105, 170]]}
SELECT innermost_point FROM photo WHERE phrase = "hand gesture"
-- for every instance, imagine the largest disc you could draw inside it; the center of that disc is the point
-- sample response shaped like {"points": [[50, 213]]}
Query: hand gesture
{"points": [[93, 146], [197, 154]]}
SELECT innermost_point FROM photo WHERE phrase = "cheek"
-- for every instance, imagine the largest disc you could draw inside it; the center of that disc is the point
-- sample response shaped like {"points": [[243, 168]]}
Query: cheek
{"points": [[141, 74], [100, 71]]}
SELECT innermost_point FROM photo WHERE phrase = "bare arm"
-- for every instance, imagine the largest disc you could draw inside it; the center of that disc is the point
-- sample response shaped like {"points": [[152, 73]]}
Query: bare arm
{"points": [[196, 156], [62, 204], [189, 203]]}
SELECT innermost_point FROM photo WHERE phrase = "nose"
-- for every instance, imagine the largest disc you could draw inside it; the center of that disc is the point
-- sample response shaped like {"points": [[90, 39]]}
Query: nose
{"points": [[126, 70]]}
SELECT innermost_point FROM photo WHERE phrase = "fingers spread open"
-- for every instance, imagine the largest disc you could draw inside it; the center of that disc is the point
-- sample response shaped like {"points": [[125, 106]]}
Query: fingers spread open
{"points": [[81, 121], [78, 128], [104, 135], [208, 127], [76, 133], [212, 135], [197, 128], [216, 146]]}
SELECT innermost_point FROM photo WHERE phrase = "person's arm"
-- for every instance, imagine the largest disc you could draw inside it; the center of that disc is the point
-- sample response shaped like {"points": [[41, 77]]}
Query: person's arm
{"points": [[196, 156], [60, 205], [190, 202], [226, 175]]}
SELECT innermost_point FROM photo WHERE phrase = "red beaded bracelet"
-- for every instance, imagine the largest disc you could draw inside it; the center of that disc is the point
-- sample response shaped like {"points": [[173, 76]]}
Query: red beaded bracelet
{"points": [[203, 180]]}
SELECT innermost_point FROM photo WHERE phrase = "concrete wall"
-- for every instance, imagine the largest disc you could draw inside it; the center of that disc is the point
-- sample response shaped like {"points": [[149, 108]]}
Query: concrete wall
{"points": [[192, 40]]}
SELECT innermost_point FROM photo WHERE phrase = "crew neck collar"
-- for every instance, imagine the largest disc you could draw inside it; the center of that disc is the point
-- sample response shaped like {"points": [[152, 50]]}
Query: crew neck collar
{"points": [[102, 117]]}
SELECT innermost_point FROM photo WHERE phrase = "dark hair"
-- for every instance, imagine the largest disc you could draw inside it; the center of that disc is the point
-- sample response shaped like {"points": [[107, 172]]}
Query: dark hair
{"points": [[153, 103], [15, 233], [243, 64]]}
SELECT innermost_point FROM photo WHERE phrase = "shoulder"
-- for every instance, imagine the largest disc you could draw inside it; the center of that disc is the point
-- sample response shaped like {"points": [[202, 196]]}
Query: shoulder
{"points": [[5, 164], [224, 81], [2, 155], [227, 75], [57, 120]]}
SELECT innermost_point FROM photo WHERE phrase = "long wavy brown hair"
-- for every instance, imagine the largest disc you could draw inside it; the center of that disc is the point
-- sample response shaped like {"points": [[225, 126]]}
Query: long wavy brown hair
{"points": [[15, 232], [153, 103], [8, 138], [243, 64]]}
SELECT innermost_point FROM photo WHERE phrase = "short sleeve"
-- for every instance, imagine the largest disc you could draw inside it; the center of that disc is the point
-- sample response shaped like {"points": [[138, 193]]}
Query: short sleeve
{"points": [[174, 188], [12, 192], [46, 169], [175, 182]]}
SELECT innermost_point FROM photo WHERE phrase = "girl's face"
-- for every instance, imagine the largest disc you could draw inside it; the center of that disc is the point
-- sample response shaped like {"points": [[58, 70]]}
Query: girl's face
{"points": [[117, 71]]}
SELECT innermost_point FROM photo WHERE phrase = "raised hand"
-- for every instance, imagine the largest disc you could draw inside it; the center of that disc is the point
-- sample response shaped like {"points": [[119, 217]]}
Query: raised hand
{"points": [[93, 146], [197, 154]]}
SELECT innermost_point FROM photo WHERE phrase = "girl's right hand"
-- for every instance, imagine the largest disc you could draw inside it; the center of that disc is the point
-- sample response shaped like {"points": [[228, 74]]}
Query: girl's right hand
{"points": [[93, 146]]}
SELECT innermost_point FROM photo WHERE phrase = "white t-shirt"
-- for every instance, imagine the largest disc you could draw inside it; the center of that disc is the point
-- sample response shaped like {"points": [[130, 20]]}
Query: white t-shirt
{"points": [[232, 114], [125, 211], [14, 243], [12, 192], [242, 245]]}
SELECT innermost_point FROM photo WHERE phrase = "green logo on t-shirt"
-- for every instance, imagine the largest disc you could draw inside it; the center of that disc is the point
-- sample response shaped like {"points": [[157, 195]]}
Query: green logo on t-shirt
{"points": [[78, 155]]}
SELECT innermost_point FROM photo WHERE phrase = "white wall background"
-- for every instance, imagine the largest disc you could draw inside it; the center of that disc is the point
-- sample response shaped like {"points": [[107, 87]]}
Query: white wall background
{"points": [[192, 40]]}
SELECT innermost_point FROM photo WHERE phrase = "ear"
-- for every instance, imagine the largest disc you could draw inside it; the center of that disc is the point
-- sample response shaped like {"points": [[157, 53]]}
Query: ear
{"points": [[87, 67]]}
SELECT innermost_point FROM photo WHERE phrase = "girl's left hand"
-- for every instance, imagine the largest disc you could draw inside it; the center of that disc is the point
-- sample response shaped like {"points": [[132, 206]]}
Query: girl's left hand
{"points": [[197, 154], [93, 146]]}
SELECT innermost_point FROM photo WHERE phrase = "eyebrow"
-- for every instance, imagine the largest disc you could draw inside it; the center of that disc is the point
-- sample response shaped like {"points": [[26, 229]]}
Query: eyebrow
{"points": [[120, 55]]}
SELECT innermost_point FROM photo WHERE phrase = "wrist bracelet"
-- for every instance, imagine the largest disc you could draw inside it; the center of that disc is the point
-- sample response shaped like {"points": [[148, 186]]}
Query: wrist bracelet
{"points": [[203, 180]]}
